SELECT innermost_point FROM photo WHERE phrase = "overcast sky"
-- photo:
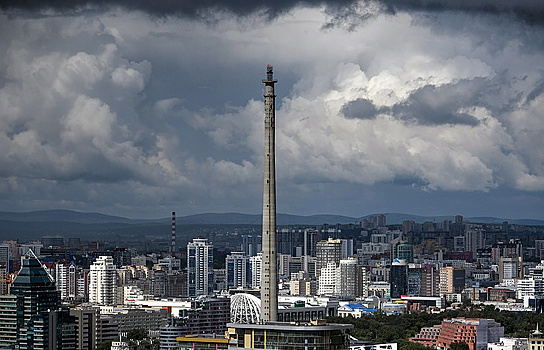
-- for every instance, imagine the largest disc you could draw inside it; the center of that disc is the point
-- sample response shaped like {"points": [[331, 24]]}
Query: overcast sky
{"points": [[139, 108]]}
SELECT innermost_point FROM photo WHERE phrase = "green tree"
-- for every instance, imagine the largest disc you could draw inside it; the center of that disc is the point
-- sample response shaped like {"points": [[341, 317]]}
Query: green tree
{"points": [[459, 346], [105, 345], [408, 345], [137, 334]]}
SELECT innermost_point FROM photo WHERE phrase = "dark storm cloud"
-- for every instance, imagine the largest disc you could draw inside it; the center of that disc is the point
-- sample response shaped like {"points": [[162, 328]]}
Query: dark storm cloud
{"points": [[437, 105], [429, 105], [360, 109], [532, 11], [169, 7]]}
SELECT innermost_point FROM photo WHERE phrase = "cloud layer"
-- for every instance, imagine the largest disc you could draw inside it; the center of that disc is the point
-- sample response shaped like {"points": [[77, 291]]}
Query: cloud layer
{"points": [[118, 110]]}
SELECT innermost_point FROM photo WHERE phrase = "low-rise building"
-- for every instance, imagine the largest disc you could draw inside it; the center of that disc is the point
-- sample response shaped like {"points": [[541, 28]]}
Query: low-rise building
{"points": [[476, 332], [509, 344], [427, 336]]}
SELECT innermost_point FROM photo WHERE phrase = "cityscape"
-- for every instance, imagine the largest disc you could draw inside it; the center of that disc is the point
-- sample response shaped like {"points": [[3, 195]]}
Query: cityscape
{"points": [[103, 294], [133, 147], [276, 288]]}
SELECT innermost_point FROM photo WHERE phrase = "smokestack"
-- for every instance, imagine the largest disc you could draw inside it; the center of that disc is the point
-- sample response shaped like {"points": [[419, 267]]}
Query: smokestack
{"points": [[173, 243], [269, 287]]}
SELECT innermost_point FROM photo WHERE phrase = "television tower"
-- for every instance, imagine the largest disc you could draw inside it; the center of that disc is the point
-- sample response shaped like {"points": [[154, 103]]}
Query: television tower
{"points": [[269, 287]]}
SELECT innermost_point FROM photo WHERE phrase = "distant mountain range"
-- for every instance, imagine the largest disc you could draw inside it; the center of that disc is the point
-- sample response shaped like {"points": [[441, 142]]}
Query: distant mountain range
{"points": [[37, 224]]}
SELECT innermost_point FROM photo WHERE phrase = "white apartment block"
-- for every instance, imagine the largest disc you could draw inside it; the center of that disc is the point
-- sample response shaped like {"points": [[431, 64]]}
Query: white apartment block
{"points": [[528, 287], [256, 263], [327, 279], [66, 280], [103, 281]]}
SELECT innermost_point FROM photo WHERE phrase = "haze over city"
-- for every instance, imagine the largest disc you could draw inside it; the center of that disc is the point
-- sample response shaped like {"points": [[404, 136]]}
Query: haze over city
{"points": [[142, 108]]}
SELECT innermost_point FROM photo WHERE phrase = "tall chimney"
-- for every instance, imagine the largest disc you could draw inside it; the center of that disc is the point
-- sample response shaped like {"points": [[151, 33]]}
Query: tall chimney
{"points": [[173, 243], [269, 287]]}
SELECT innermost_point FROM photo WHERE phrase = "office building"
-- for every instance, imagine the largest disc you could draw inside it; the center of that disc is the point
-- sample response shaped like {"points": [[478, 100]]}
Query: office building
{"points": [[5, 281], [103, 281], [238, 270], [510, 269], [290, 242], [347, 248], [401, 249], [279, 335], [311, 237], [423, 280], [399, 278], [511, 249], [85, 321], [5, 256], [26, 317], [251, 244], [206, 315], [199, 267]]}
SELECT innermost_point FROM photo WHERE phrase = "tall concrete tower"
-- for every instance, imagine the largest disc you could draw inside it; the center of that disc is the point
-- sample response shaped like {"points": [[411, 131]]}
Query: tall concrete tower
{"points": [[269, 288], [173, 241]]}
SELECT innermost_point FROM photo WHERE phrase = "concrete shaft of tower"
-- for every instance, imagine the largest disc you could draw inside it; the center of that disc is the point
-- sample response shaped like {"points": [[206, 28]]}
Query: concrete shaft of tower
{"points": [[269, 287]]}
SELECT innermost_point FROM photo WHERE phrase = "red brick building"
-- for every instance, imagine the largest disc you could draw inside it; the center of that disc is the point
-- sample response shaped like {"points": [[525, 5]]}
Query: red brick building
{"points": [[476, 332]]}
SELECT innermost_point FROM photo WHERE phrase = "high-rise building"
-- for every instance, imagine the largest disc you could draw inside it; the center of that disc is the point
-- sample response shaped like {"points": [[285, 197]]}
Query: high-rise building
{"points": [[311, 237], [256, 264], [206, 315], [511, 249], [5, 256], [399, 278], [348, 279], [452, 280], [401, 249], [269, 288], [510, 269], [327, 279], [347, 248], [86, 321], [329, 251], [121, 257], [66, 280], [103, 281], [381, 220], [199, 267], [238, 270], [25, 319], [474, 240], [251, 244], [290, 242]]}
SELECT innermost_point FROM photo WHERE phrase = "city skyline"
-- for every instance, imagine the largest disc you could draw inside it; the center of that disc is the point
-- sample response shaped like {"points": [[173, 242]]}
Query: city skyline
{"points": [[138, 111]]}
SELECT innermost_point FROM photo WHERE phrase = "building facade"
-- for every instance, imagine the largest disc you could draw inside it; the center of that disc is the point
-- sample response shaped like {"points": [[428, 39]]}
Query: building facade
{"points": [[199, 267], [103, 281]]}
